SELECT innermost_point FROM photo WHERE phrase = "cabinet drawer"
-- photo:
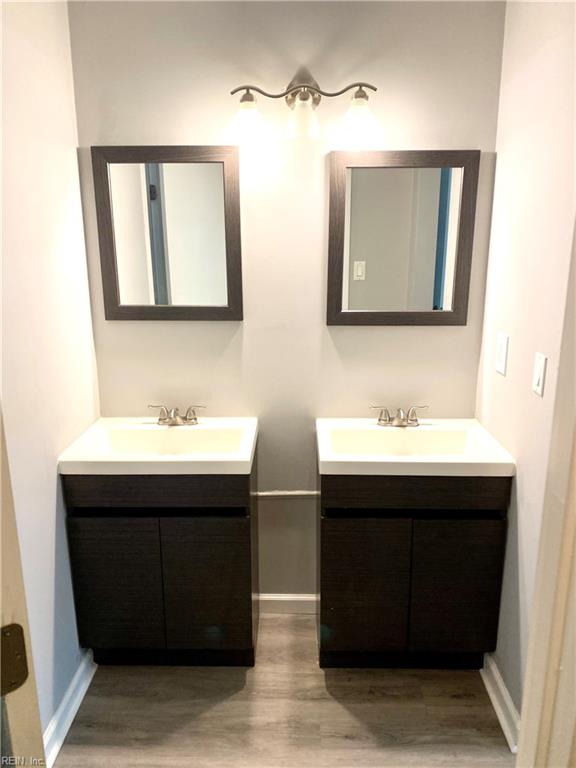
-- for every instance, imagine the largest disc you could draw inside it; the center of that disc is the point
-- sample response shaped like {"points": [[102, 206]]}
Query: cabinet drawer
{"points": [[156, 491], [117, 580], [456, 578], [365, 575], [207, 582], [415, 492]]}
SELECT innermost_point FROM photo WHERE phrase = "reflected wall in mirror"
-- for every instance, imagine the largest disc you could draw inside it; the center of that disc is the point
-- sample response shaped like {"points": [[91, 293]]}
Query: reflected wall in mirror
{"points": [[400, 238], [169, 230], [401, 229]]}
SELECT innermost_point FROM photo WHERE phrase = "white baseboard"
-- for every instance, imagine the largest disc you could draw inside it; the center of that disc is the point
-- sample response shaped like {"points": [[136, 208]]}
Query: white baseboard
{"points": [[504, 707], [285, 603], [61, 721]]}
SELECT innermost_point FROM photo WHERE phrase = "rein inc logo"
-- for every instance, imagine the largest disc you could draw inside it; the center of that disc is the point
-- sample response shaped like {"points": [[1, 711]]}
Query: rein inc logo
{"points": [[19, 760]]}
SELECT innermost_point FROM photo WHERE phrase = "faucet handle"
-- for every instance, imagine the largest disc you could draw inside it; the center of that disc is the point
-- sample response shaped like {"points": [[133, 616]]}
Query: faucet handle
{"points": [[412, 416], [190, 416], [163, 415], [384, 415]]}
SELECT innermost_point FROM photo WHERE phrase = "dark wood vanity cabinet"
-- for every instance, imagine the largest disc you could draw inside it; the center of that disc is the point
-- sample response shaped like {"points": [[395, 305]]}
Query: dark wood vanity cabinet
{"points": [[365, 583], [117, 573], [174, 581], [410, 569], [207, 582], [455, 585]]}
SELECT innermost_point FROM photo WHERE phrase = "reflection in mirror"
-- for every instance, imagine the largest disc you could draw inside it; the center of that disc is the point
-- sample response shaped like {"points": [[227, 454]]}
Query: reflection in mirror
{"points": [[169, 233], [401, 231], [400, 238]]}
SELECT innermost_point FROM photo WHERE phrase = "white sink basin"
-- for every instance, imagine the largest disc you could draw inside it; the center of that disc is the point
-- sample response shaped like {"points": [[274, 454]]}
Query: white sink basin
{"points": [[140, 446], [435, 447]]}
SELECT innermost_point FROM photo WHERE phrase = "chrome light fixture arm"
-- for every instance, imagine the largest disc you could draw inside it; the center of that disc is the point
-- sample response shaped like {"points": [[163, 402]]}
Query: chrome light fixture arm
{"points": [[303, 87]]}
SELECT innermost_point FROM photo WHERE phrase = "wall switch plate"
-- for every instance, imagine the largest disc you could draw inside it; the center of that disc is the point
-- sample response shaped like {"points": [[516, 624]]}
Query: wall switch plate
{"points": [[501, 352], [359, 270], [539, 373]]}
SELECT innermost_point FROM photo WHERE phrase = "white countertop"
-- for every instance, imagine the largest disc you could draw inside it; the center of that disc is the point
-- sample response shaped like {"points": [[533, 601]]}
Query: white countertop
{"points": [[141, 446], [436, 447]]}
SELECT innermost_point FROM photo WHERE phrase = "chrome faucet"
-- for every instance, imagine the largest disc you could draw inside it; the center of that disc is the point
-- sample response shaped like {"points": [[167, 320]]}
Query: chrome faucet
{"points": [[170, 417], [401, 419]]}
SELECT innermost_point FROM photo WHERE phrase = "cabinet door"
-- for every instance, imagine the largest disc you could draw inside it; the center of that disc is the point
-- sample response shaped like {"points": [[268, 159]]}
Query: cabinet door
{"points": [[207, 582], [365, 575], [456, 580], [117, 580]]}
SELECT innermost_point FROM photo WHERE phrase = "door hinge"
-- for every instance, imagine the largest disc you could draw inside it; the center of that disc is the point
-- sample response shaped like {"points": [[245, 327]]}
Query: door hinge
{"points": [[14, 664]]}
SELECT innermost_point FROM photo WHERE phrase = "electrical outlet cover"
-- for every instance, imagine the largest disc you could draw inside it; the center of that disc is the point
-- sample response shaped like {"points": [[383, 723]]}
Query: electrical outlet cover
{"points": [[501, 352], [359, 270], [539, 374]]}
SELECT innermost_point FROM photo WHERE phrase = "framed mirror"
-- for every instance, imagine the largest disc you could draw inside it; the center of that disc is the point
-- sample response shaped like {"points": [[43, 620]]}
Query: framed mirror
{"points": [[169, 232], [401, 229]]}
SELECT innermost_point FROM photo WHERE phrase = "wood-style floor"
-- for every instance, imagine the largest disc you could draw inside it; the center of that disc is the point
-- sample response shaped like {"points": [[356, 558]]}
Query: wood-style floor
{"points": [[284, 713]]}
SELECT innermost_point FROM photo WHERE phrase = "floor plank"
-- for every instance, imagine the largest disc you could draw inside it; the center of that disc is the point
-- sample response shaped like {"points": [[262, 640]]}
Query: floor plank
{"points": [[286, 713]]}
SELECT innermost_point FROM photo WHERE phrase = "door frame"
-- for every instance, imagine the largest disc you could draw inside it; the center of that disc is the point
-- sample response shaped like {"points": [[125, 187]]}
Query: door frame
{"points": [[21, 711]]}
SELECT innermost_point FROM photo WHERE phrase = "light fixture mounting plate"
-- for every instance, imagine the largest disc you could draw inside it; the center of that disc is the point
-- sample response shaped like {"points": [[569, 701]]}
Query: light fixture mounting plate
{"points": [[303, 78]]}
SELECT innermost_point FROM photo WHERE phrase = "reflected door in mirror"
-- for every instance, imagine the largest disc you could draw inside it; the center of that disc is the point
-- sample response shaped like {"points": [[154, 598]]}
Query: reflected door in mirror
{"points": [[169, 233], [400, 238]]}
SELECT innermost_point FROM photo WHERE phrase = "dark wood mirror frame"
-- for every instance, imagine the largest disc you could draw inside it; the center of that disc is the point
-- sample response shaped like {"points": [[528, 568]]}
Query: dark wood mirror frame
{"points": [[469, 160], [102, 157]]}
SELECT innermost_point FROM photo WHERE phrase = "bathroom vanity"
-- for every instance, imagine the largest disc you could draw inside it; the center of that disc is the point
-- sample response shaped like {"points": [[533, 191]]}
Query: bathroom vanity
{"points": [[162, 531], [412, 540]]}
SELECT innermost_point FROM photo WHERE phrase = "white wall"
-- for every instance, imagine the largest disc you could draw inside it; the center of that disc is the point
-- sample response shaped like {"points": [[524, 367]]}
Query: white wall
{"points": [[544, 629], [532, 232], [157, 73], [48, 377]]}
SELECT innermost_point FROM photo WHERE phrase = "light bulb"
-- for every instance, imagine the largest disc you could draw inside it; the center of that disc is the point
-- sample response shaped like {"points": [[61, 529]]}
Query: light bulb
{"points": [[248, 125], [253, 134], [303, 122], [358, 129]]}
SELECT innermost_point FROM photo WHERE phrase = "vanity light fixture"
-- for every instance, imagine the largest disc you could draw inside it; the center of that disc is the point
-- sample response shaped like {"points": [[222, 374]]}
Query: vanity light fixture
{"points": [[303, 88]]}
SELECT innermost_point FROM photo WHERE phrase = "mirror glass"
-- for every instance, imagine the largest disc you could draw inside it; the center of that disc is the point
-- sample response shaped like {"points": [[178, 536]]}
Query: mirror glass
{"points": [[169, 233], [400, 238]]}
